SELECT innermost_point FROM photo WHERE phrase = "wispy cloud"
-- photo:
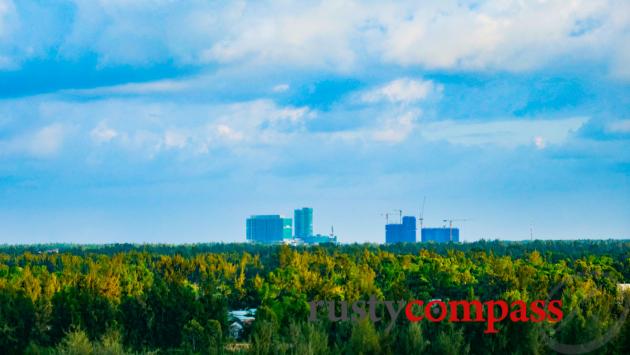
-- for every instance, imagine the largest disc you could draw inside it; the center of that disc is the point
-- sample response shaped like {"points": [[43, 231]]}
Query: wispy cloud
{"points": [[281, 88], [101, 133], [511, 133], [620, 126], [44, 142], [397, 129], [154, 87], [403, 90]]}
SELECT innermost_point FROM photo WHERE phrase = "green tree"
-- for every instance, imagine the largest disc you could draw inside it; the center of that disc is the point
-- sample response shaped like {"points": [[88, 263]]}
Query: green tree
{"points": [[450, 341], [75, 342], [110, 344], [194, 338], [307, 339], [215, 336], [17, 319], [364, 339], [411, 340]]}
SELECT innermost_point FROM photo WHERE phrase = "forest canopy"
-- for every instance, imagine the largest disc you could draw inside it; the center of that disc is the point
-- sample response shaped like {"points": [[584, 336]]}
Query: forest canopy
{"points": [[126, 298]]}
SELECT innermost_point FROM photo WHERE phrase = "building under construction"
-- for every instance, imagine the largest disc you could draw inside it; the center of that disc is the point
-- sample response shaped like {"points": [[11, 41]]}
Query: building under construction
{"points": [[404, 232], [440, 235]]}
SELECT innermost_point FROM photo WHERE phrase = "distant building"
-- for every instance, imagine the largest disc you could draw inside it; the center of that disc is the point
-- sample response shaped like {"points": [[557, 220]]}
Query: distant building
{"points": [[274, 229], [268, 229], [404, 232], [303, 219], [440, 235], [239, 319], [319, 239], [236, 330]]}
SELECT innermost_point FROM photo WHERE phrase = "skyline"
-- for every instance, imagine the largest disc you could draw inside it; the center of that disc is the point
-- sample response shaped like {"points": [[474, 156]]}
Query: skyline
{"points": [[156, 121]]}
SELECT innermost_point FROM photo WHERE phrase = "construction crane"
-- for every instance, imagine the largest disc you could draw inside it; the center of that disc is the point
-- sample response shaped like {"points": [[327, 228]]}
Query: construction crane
{"points": [[450, 226], [421, 214], [388, 214]]}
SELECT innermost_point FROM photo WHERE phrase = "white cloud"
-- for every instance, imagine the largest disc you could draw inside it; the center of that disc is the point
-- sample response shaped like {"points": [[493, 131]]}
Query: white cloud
{"points": [[147, 128], [310, 35], [396, 130], [46, 141], [332, 35], [292, 114], [225, 131], [175, 139], [392, 129], [7, 9], [402, 90], [395, 122], [280, 88], [102, 133], [508, 35], [539, 142], [7, 63], [153, 87], [509, 134], [7, 25], [621, 126], [42, 143]]}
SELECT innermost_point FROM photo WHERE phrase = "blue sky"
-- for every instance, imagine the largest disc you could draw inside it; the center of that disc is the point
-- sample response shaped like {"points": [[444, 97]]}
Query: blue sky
{"points": [[165, 121]]}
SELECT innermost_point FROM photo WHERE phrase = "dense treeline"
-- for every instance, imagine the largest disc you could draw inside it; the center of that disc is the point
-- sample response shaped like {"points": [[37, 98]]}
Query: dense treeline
{"points": [[127, 298], [558, 249]]}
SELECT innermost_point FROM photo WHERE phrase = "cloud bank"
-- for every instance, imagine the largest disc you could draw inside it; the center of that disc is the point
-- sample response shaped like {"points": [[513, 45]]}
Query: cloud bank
{"points": [[160, 109]]}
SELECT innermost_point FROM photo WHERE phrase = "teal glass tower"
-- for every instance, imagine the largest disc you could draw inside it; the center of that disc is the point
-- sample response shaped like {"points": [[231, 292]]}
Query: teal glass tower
{"points": [[303, 218], [268, 229]]}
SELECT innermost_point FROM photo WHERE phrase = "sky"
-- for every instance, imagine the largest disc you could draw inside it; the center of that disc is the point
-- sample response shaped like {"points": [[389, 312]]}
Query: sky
{"points": [[169, 121]]}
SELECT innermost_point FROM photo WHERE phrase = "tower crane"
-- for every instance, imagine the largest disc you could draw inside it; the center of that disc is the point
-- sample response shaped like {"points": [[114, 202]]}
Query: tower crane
{"points": [[450, 226], [393, 212], [421, 214]]}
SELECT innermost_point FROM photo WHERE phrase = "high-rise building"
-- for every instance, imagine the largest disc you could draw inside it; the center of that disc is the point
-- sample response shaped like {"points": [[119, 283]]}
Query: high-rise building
{"points": [[440, 235], [303, 218], [404, 232], [268, 229]]}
